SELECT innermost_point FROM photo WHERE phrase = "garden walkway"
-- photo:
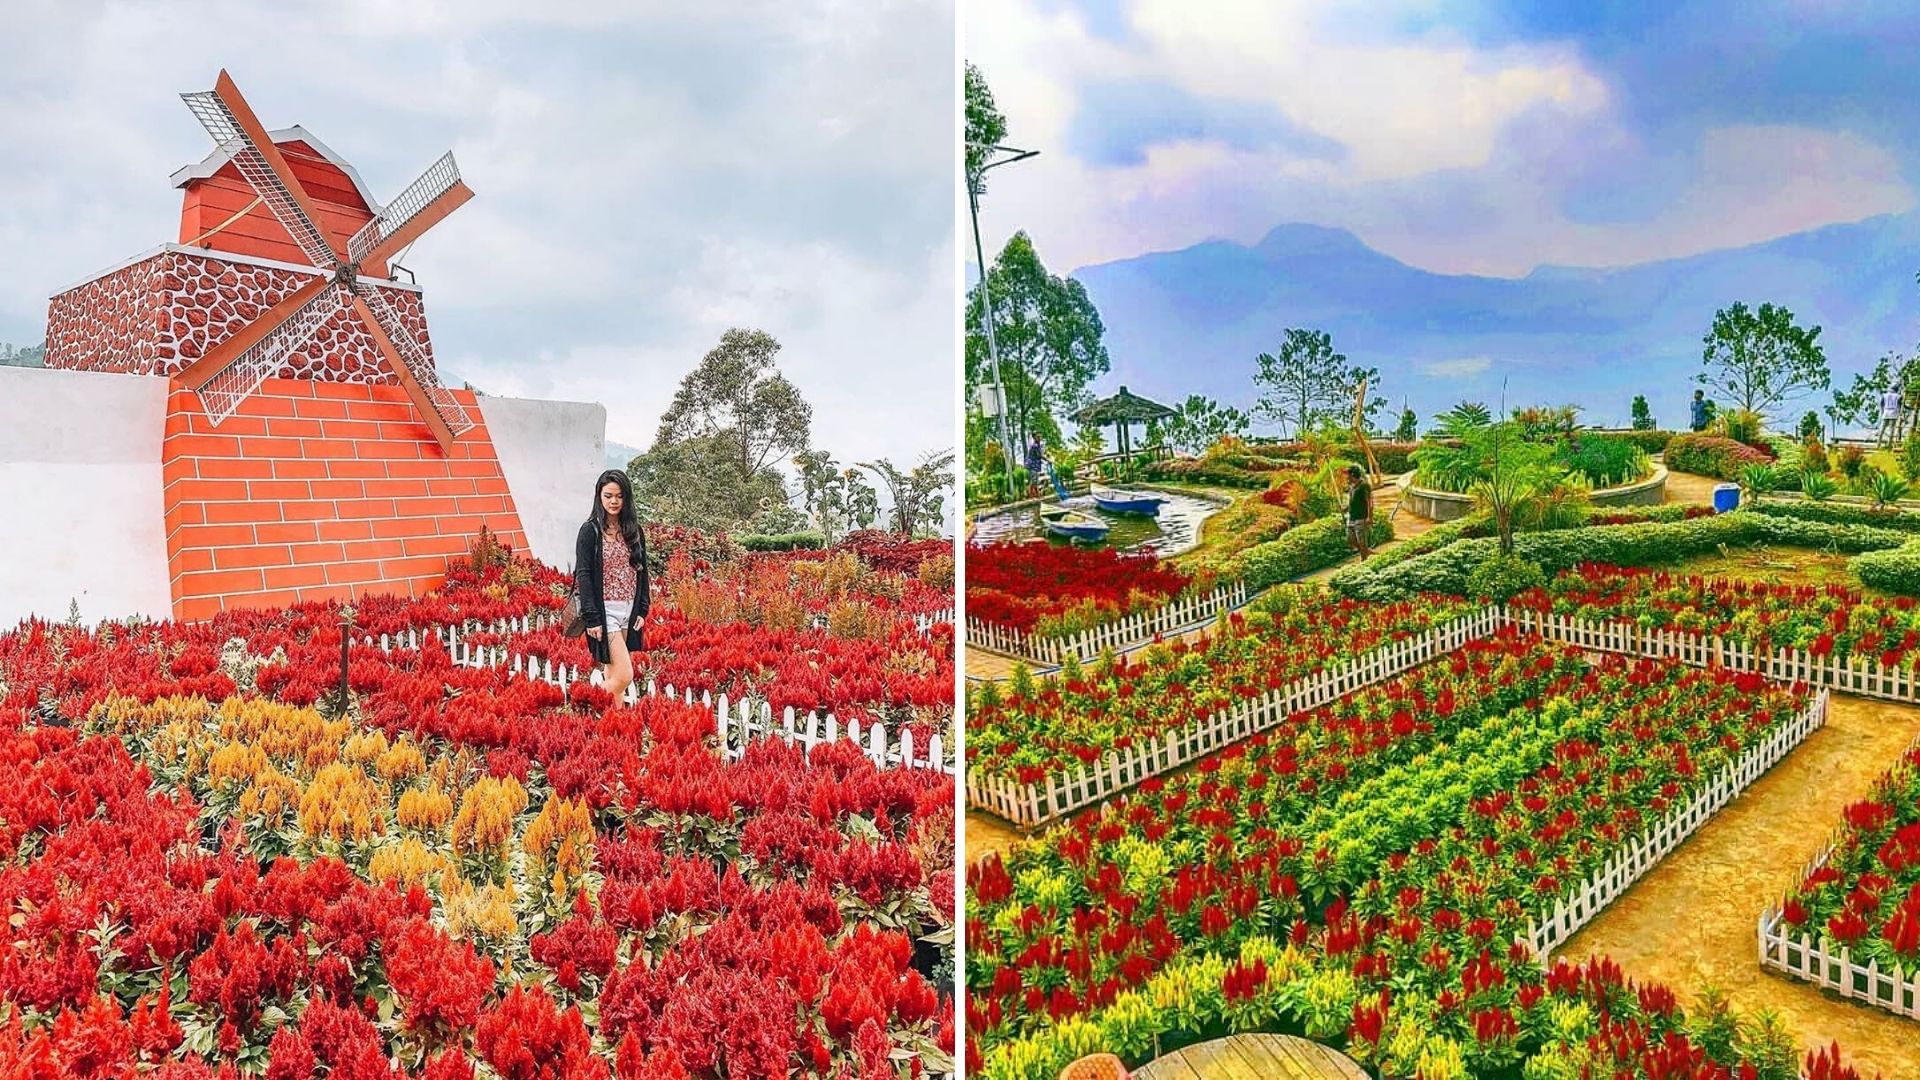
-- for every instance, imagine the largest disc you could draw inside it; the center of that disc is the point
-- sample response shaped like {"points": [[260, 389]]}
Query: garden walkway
{"points": [[1691, 920]]}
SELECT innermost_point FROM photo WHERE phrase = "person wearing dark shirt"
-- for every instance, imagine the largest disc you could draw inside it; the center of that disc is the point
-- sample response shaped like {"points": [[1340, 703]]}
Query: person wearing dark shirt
{"points": [[1359, 511], [1036, 465], [1702, 412]]}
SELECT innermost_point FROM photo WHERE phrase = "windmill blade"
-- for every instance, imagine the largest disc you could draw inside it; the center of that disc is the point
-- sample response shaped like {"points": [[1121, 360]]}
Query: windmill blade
{"points": [[228, 118], [221, 356], [257, 363], [437, 405], [435, 194]]}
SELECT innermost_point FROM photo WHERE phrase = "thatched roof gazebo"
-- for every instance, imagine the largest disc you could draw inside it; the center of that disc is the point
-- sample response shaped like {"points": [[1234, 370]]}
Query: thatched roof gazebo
{"points": [[1122, 410]]}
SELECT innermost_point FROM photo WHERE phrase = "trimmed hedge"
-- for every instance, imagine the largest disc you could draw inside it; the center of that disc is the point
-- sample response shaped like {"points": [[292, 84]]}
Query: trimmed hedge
{"points": [[1304, 549], [1710, 455], [1653, 442], [1896, 570], [796, 541], [1198, 471], [1834, 513], [1448, 569]]}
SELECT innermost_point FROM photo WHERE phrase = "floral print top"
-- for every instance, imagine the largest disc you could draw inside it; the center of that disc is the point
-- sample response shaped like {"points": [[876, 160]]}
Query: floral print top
{"points": [[617, 577]]}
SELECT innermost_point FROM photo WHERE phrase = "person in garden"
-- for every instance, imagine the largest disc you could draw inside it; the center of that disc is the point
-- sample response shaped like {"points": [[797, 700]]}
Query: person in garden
{"points": [[1890, 413], [1036, 464], [1359, 510], [610, 570], [1702, 412]]}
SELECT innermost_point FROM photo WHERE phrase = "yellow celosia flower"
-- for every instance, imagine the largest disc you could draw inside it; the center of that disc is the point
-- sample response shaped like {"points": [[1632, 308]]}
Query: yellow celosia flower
{"points": [[561, 836], [339, 803], [400, 761], [364, 747], [484, 912], [409, 863], [426, 809], [485, 820], [269, 795]]}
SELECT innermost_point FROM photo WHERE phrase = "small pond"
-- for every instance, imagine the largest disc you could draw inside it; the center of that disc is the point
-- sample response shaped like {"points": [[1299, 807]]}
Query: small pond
{"points": [[1174, 530]]}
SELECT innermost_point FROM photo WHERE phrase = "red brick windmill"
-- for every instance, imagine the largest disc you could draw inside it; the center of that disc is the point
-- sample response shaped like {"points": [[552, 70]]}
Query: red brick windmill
{"points": [[309, 451], [236, 367]]}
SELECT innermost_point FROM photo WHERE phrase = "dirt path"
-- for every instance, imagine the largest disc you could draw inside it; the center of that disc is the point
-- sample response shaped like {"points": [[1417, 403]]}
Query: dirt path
{"points": [[1691, 488], [1691, 921]]}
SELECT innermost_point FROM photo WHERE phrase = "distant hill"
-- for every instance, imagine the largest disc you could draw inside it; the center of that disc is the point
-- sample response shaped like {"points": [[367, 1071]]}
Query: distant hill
{"points": [[1191, 321], [619, 454]]}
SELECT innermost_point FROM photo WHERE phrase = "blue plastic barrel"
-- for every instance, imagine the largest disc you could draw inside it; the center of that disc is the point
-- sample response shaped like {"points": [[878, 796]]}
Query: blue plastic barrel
{"points": [[1725, 497]]}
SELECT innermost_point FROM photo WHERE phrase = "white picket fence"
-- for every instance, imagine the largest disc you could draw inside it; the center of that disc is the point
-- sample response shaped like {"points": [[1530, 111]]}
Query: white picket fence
{"points": [[1582, 902], [1034, 804], [734, 722], [1124, 633], [1864, 676], [927, 621], [1814, 959]]}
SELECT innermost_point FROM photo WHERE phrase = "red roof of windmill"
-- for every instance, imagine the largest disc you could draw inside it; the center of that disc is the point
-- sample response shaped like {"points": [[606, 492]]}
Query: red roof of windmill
{"points": [[221, 211]]}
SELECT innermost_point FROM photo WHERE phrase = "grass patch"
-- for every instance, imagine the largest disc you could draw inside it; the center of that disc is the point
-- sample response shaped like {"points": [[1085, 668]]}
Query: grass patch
{"points": [[1776, 564]]}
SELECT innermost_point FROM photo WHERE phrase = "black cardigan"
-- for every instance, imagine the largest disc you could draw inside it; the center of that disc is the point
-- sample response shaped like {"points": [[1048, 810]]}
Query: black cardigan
{"points": [[593, 605]]}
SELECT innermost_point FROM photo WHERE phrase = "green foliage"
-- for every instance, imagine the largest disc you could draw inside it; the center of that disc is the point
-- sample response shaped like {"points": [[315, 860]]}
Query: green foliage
{"points": [[696, 482], [1199, 422], [1762, 357], [1712, 455], [1605, 461], [1049, 336], [1642, 413], [838, 500], [1818, 486], [1409, 427], [918, 493], [1850, 460], [1755, 481], [1462, 418], [24, 356], [1503, 577], [1544, 423], [1813, 458], [1810, 426], [1895, 570], [1740, 425], [1307, 384], [1887, 490], [985, 124], [1910, 456], [1302, 550], [794, 541]]}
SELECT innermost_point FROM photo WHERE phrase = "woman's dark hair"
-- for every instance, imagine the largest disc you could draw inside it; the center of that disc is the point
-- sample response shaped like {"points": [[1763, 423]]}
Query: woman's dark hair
{"points": [[629, 521]]}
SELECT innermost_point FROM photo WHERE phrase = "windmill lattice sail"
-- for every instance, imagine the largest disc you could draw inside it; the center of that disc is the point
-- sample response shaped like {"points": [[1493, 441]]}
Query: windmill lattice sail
{"points": [[218, 119], [230, 386], [439, 179], [416, 360]]}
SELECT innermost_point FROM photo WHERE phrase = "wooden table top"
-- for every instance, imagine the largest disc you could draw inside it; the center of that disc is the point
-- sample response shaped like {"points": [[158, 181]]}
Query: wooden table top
{"points": [[1253, 1056]]}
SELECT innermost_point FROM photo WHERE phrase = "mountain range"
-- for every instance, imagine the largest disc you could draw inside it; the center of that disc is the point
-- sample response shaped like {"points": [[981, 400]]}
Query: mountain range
{"points": [[1192, 321]]}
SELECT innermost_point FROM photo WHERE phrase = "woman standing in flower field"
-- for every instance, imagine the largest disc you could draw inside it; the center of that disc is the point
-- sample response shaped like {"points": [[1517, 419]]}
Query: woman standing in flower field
{"points": [[610, 570]]}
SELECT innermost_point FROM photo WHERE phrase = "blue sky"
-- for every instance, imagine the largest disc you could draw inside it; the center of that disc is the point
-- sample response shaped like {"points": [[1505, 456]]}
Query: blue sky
{"points": [[1470, 137], [646, 175]]}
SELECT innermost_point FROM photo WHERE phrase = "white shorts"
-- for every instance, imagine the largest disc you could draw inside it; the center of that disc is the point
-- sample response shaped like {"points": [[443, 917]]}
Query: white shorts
{"points": [[619, 616]]}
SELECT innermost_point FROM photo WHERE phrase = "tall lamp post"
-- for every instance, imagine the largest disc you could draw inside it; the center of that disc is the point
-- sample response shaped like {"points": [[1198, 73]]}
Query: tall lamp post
{"points": [[992, 157]]}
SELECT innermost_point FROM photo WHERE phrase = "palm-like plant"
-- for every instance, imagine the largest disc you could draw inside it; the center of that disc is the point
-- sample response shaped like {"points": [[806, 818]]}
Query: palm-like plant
{"points": [[1818, 486], [1518, 474], [1755, 481], [1887, 490]]}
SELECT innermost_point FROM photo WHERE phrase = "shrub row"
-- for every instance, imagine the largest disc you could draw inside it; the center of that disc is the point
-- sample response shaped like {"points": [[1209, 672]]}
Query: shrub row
{"points": [[1304, 549], [1710, 455], [1449, 568], [1835, 513], [794, 541]]}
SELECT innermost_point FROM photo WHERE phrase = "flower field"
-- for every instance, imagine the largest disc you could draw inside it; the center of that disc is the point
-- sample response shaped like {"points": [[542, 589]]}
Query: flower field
{"points": [[1058, 590], [1824, 621], [1040, 728], [216, 867], [1369, 873]]}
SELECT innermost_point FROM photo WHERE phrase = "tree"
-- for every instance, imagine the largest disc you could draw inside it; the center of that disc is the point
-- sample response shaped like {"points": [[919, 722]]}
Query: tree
{"points": [[1307, 382], [736, 395], [918, 494], [1409, 429], [1519, 474], [1199, 422], [1463, 418], [1762, 358], [711, 463], [839, 500], [985, 124], [1049, 334], [1642, 414], [696, 482], [24, 356]]}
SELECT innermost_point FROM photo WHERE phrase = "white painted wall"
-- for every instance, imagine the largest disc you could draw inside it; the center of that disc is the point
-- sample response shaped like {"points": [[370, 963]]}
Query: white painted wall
{"points": [[80, 499], [551, 452]]}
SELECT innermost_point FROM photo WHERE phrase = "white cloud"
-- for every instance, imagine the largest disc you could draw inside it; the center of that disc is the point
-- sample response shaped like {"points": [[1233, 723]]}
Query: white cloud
{"points": [[645, 175], [1456, 369]]}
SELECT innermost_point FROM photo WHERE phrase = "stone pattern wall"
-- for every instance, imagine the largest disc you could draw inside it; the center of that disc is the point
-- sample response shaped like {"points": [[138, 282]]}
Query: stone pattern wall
{"points": [[159, 315]]}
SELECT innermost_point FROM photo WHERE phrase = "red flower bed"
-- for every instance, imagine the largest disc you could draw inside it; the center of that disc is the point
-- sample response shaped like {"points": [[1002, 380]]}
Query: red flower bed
{"points": [[1021, 584], [253, 885], [1867, 895]]}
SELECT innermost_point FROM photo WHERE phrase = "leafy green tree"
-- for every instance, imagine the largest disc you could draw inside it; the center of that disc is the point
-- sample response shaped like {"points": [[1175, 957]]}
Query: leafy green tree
{"points": [[1761, 358], [711, 465], [1409, 428], [985, 124], [1810, 427], [1049, 334], [1306, 382], [1520, 476], [1462, 418], [1642, 414], [1199, 422], [917, 493], [24, 356], [839, 500]]}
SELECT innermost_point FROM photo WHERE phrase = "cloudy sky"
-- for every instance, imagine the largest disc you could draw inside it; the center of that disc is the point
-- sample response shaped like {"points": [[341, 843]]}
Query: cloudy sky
{"points": [[1484, 137], [646, 175]]}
